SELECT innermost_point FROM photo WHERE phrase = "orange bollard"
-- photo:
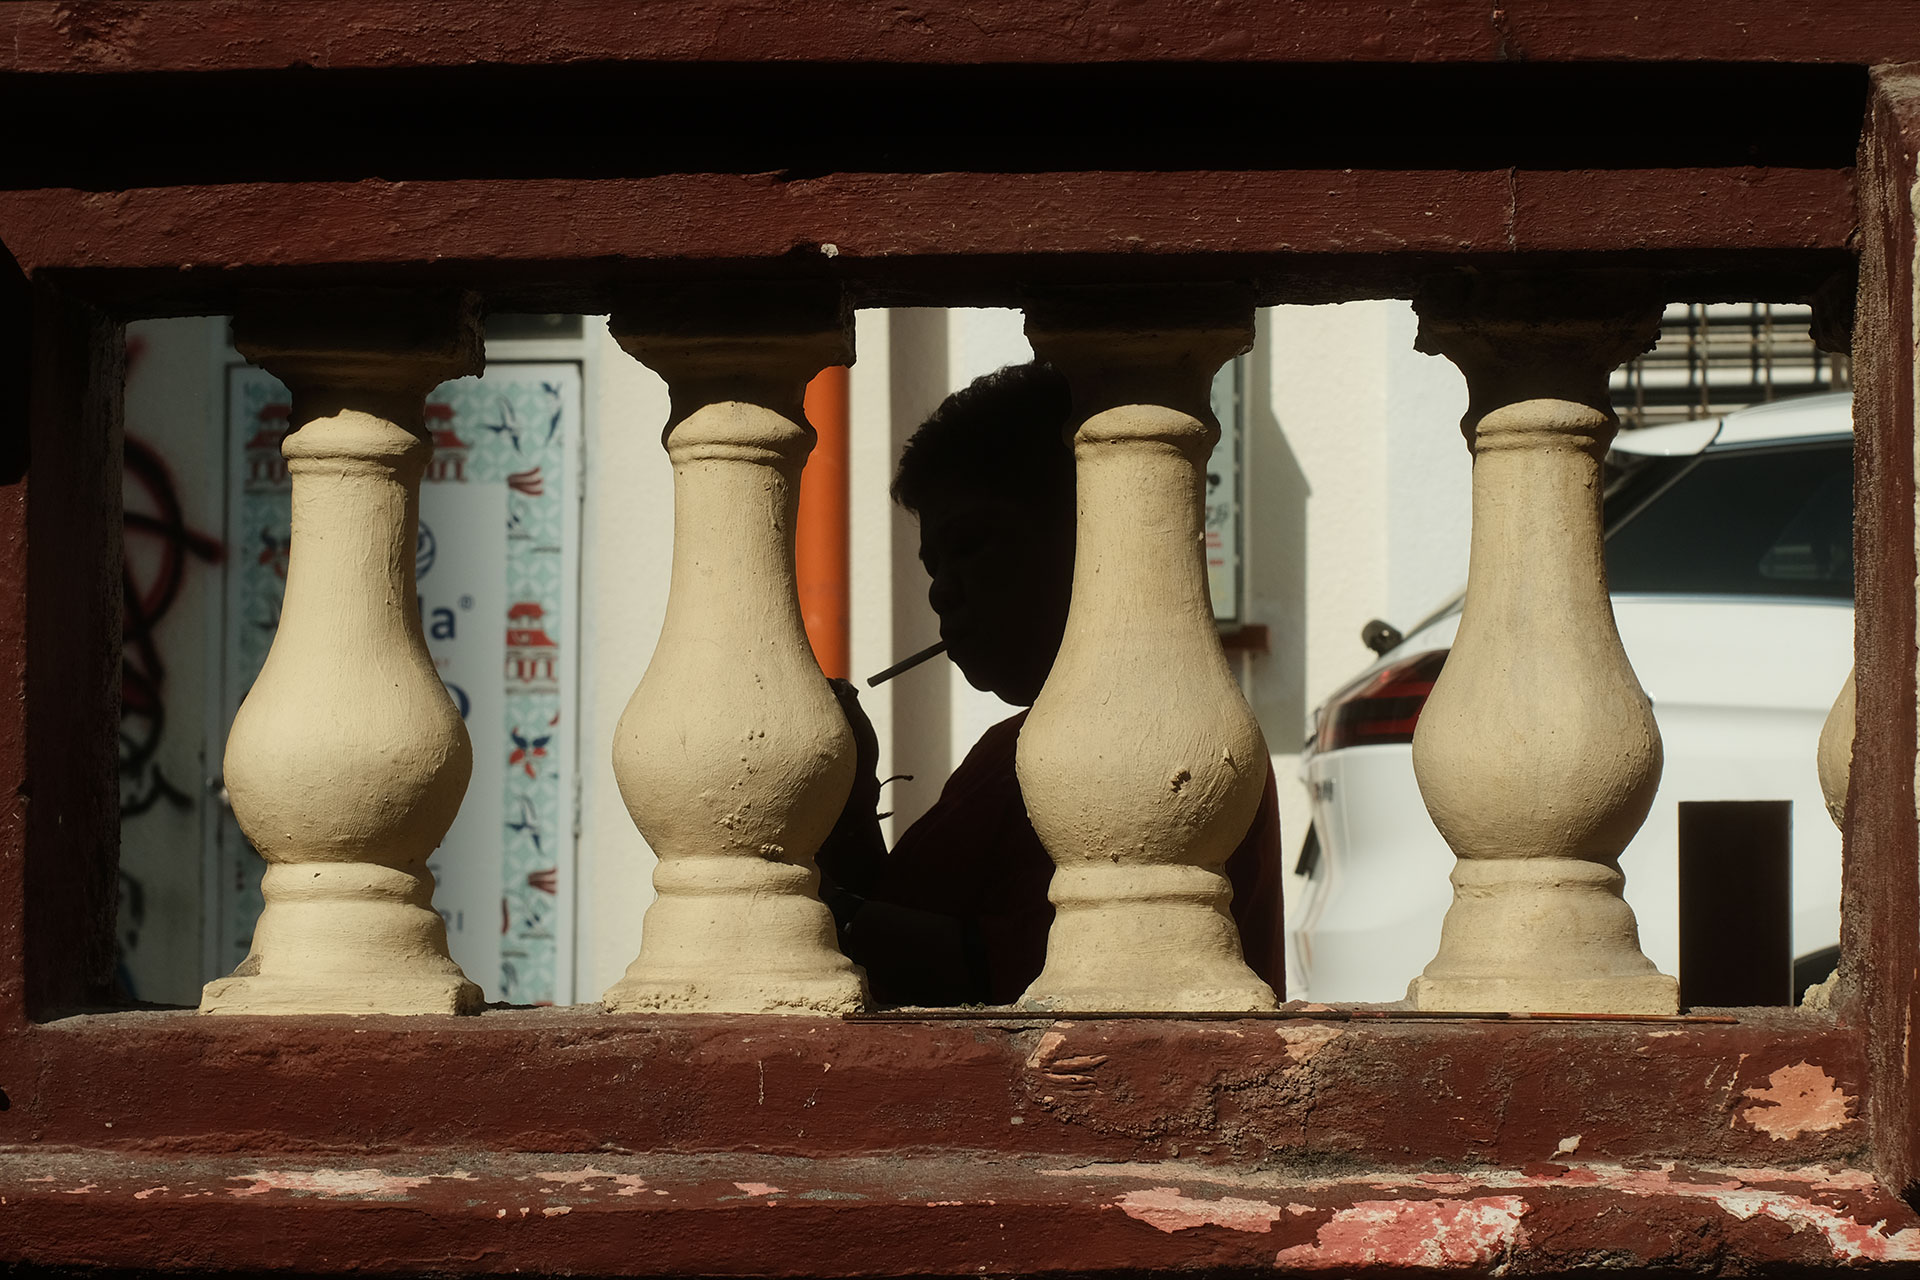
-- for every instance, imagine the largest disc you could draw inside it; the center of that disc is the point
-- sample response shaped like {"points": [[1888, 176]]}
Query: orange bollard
{"points": [[821, 540]]}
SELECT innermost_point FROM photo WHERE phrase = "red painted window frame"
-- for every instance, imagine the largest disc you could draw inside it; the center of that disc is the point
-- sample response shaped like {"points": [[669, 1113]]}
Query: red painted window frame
{"points": [[79, 265]]}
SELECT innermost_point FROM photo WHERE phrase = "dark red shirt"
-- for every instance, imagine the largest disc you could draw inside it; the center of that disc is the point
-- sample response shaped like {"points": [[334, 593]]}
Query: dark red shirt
{"points": [[974, 861]]}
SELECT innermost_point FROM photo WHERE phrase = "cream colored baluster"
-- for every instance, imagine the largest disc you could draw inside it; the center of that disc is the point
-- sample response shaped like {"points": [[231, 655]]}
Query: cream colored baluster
{"points": [[1537, 753], [1834, 760], [347, 761], [1832, 331], [733, 757], [1141, 764], [1835, 755]]}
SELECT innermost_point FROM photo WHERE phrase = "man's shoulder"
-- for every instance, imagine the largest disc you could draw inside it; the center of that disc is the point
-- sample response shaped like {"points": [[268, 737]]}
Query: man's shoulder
{"points": [[994, 753]]}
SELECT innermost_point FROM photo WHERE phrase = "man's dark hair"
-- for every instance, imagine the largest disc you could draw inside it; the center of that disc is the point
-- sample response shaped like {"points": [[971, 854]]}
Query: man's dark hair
{"points": [[1004, 432]]}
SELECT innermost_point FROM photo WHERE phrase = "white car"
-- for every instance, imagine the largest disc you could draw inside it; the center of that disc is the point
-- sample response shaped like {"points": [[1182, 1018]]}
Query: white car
{"points": [[1730, 560]]}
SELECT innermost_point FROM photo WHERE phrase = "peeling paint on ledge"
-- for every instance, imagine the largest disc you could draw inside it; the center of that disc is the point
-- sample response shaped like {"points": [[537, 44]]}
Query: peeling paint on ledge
{"points": [[1414, 1233], [1303, 1043], [1384, 1226], [1798, 1099], [1068, 1072], [335, 1184], [629, 1184], [1168, 1209], [1175, 1214]]}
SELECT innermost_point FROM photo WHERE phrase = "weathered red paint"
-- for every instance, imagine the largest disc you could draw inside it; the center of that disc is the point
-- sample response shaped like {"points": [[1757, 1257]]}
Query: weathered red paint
{"points": [[938, 1213], [1796, 1100], [1295, 1091], [70, 774], [1008, 225], [16, 363], [542, 1140], [125, 35], [1880, 901]]}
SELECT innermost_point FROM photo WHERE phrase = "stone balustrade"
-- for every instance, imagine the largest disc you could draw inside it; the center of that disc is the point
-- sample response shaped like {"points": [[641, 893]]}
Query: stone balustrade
{"points": [[1141, 764]]}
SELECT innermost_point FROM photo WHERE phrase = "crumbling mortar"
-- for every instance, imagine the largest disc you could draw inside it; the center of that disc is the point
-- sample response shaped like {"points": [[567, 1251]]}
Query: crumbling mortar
{"points": [[1309, 1164], [1313, 1102], [1285, 1095]]}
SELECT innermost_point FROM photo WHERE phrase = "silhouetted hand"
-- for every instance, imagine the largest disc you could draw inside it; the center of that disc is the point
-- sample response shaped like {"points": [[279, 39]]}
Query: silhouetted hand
{"points": [[855, 852], [866, 743]]}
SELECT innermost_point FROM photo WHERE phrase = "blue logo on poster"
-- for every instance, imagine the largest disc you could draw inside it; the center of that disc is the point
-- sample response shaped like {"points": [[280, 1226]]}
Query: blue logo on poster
{"points": [[424, 550]]}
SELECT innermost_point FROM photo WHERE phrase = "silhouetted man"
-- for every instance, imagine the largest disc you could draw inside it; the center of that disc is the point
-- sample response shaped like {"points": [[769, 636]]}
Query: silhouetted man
{"points": [[958, 912]]}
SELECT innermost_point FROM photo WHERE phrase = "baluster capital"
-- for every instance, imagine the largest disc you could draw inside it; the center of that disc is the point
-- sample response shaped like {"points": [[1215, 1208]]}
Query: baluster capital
{"points": [[1141, 344], [1831, 327], [752, 342], [375, 350], [1537, 336]]}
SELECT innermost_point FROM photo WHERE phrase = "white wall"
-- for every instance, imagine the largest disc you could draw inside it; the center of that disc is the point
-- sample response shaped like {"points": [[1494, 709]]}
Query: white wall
{"points": [[1357, 505], [900, 375], [174, 402], [1427, 503], [626, 531], [1315, 546]]}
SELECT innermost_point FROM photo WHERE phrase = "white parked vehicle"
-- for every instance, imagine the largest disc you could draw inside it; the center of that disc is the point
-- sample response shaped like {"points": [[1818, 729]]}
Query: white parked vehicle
{"points": [[1730, 560]]}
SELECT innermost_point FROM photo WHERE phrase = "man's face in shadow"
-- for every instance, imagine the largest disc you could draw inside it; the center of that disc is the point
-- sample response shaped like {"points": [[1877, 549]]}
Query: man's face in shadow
{"points": [[1002, 570]]}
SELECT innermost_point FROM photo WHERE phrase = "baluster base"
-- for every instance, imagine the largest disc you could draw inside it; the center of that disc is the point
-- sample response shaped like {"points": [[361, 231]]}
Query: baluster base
{"points": [[389, 994], [769, 991], [1541, 935], [345, 938], [1653, 994], [732, 934], [1144, 937]]}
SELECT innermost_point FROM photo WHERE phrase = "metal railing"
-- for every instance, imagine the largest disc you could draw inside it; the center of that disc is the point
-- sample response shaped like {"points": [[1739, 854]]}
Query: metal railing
{"points": [[1713, 358]]}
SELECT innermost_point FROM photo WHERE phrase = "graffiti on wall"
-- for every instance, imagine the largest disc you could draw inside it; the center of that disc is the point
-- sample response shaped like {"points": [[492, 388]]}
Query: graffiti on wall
{"points": [[159, 551]]}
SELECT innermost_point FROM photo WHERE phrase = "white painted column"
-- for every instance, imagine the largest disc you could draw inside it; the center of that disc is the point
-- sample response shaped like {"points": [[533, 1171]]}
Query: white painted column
{"points": [[1141, 764], [1537, 753], [733, 756], [347, 761]]}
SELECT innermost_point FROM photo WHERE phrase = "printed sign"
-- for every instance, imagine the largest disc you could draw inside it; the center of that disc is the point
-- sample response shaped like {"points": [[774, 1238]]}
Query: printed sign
{"points": [[498, 515]]}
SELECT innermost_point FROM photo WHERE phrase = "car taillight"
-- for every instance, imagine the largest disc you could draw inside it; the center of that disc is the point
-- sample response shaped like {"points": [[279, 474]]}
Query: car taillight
{"points": [[1382, 708]]}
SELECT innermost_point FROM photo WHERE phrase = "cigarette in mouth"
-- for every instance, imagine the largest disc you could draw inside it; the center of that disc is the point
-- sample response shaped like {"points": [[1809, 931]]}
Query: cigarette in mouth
{"points": [[907, 664]]}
